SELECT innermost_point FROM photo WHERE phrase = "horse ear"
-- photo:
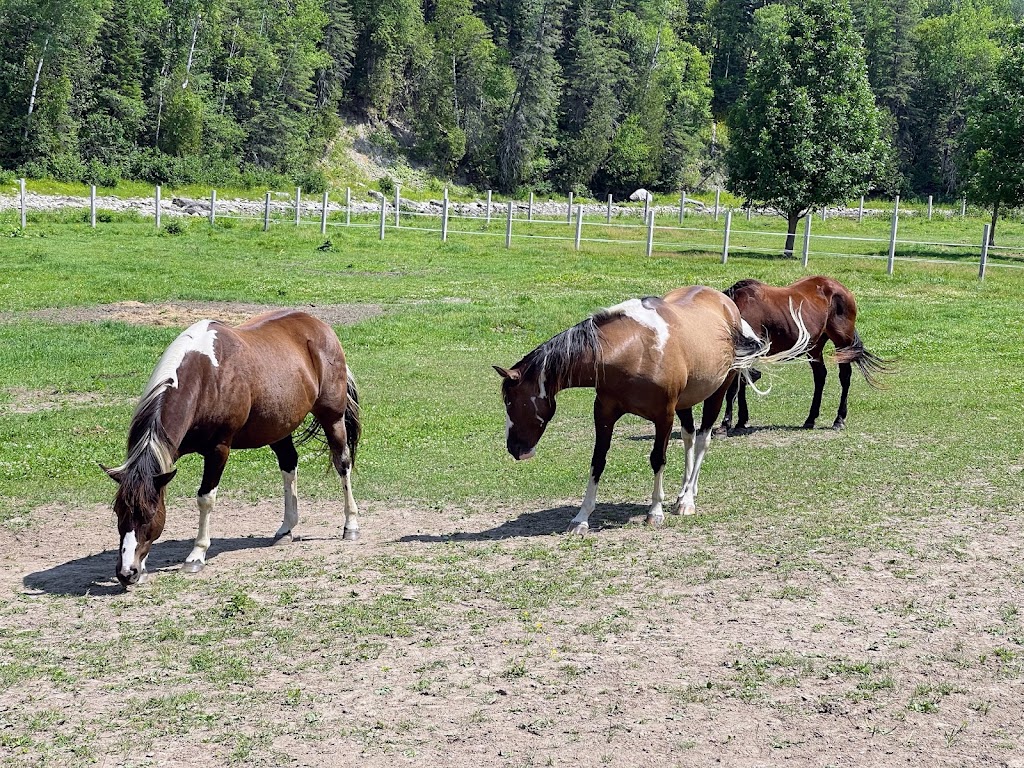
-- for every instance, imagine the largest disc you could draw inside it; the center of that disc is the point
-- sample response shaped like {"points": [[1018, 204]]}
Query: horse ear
{"points": [[507, 374], [113, 474], [161, 480]]}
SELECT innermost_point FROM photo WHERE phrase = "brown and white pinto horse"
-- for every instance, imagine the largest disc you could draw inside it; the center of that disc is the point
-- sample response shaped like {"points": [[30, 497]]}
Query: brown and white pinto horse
{"points": [[829, 312], [653, 357], [216, 388]]}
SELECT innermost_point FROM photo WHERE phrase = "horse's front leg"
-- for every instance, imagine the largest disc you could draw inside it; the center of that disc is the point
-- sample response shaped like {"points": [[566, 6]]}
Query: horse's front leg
{"points": [[605, 416], [659, 453], [213, 468], [288, 463]]}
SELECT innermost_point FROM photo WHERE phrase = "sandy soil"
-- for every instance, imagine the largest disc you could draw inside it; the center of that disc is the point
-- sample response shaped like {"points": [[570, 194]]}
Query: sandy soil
{"points": [[843, 656], [184, 313]]}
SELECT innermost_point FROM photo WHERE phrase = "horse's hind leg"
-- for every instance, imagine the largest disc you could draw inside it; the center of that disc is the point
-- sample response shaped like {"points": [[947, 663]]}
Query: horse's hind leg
{"points": [[341, 457], [288, 462], [687, 501], [213, 468], [687, 432], [845, 374], [730, 396]]}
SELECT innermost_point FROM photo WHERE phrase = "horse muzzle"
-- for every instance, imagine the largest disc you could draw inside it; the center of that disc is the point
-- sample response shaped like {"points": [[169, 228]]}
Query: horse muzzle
{"points": [[129, 576]]}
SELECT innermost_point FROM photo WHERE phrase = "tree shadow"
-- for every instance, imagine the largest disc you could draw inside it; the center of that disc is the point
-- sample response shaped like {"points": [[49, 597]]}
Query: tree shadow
{"points": [[94, 575], [543, 522]]}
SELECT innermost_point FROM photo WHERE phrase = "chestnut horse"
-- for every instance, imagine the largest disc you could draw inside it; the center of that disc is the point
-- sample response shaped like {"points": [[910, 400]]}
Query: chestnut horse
{"points": [[829, 312], [216, 388], [653, 357]]}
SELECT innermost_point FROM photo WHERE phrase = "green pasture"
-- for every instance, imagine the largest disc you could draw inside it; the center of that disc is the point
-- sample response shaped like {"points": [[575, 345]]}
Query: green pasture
{"points": [[946, 430]]}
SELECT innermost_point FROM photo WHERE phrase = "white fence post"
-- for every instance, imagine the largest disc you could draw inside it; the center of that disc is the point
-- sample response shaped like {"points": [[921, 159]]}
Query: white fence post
{"points": [[398, 204], [579, 224], [568, 211], [383, 214], [266, 212], [650, 233], [444, 221], [929, 207], [156, 200], [984, 252], [508, 227], [892, 236], [529, 210], [748, 206], [323, 215], [718, 198], [807, 237], [22, 203], [608, 217], [488, 207], [824, 213], [348, 205], [647, 204], [213, 207], [860, 212], [298, 203], [725, 242], [963, 207], [682, 206], [92, 206]]}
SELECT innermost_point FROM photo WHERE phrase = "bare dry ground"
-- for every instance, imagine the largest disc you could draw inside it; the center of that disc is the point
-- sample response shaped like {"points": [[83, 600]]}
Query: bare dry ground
{"points": [[180, 314], [485, 637]]}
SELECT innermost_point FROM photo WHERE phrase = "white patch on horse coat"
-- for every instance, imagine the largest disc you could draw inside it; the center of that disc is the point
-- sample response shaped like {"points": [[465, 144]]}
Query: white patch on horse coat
{"points": [[536, 409], [748, 331], [128, 545], [197, 338], [635, 310], [508, 425]]}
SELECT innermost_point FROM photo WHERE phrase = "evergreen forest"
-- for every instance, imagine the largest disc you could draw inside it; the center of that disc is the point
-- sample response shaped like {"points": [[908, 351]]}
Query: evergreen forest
{"points": [[594, 96]]}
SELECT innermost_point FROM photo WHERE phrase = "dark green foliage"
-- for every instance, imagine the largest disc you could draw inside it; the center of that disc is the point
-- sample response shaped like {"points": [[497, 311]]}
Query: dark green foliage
{"points": [[806, 132]]}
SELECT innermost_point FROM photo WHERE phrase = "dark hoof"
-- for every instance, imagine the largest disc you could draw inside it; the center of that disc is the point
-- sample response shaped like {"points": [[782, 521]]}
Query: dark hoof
{"points": [[808, 425], [192, 566], [839, 425], [284, 538], [350, 535]]}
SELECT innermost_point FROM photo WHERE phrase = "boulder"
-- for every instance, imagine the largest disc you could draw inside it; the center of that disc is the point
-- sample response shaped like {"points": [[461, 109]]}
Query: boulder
{"points": [[640, 195]]}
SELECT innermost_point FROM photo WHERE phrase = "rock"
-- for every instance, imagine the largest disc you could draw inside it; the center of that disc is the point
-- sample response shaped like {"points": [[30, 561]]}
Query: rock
{"points": [[641, 194]]}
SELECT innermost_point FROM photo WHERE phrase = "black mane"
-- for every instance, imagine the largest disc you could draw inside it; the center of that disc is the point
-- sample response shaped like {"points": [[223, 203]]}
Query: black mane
{"points": [[555, 357], [150, 454], [733, 289]]}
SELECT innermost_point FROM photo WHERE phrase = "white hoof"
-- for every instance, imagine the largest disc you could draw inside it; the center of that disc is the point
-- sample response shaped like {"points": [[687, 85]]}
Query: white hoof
{"points": [[686, 508], [351, 534], [193, 566], [579, 529], [655, 521]]}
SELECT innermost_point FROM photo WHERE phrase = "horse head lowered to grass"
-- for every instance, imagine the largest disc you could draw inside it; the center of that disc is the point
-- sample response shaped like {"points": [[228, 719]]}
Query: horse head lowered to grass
{"points": [[652, 357], [216, 388]]}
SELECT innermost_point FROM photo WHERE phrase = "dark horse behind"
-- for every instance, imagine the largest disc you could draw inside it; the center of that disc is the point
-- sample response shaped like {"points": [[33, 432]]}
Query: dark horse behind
{"points": [[829, 313], [217, 388]]}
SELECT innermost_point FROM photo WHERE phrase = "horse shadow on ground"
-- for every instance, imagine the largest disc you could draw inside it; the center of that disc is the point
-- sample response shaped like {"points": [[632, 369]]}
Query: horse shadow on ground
{"points": [[677, 434], [543, 522], [94, 575]]}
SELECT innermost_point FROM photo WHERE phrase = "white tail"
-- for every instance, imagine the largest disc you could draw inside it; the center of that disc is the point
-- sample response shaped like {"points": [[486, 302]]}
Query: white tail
{"points": [[756, 352]]}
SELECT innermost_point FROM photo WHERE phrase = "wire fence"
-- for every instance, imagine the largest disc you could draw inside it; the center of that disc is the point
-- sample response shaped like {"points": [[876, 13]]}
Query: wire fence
{"points": [[582, 225]]}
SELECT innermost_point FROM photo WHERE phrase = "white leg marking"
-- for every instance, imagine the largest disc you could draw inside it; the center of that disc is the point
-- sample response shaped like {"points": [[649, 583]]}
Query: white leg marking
{"points": [[656, 513], [128, 545], [206, 502], [291, 504], [688, 495], [351, 511], [579, 523]]}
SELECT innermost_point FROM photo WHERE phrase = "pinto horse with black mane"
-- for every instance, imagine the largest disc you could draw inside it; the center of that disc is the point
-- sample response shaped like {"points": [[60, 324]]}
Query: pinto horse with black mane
{"points": [[653, 357], [829, 312], [216, 388]]}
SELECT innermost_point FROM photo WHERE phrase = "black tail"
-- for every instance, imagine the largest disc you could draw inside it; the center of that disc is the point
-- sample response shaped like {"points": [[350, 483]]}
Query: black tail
{"points": [[353, 426], [868, 363]]}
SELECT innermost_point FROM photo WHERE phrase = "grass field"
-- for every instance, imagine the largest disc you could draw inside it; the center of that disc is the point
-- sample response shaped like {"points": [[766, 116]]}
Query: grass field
{"points": [[420, 635]]}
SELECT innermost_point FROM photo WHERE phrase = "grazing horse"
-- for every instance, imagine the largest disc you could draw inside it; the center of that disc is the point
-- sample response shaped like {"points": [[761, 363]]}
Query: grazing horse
{"points": [[216, 388], [829, 312], [653, 357]]}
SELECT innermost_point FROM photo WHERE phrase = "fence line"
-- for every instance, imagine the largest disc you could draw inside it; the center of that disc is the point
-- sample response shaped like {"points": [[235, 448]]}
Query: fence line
{"points": [[294, 214]]}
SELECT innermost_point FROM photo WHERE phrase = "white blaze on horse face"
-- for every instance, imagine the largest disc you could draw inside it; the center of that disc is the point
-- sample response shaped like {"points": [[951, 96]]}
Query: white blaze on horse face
{"points": [[128, 545], [197, 338], [635, 310]]}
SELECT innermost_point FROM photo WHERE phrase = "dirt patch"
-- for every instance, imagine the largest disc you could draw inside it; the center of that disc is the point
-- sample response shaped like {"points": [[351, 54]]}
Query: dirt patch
{"points": [[24, 400], [181, 314], [483, 637]]}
